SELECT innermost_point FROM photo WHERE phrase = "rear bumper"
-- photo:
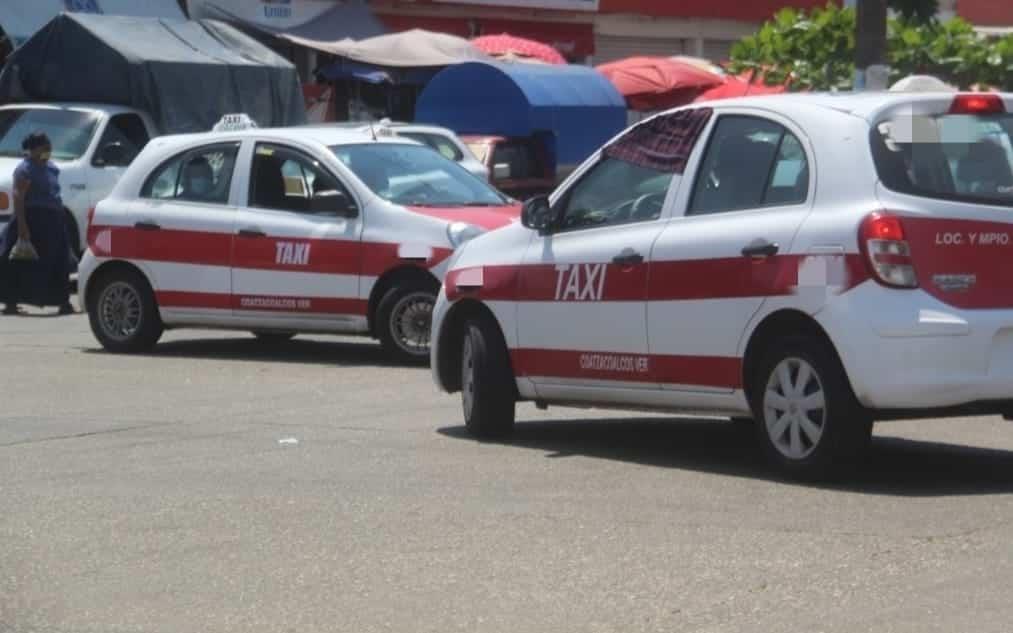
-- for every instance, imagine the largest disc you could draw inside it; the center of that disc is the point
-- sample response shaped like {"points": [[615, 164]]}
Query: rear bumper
{"points": [[905, 350]]}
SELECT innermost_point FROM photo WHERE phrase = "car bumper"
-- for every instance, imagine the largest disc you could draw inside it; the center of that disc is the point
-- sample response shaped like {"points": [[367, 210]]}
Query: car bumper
{"points": [[904, 349], [85, 268], [440, 311]]}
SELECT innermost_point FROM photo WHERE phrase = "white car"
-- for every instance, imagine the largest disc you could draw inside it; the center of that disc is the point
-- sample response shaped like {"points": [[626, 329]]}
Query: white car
{"points": [[92, 146], [281, 231], [812, 262], [441, 139]]}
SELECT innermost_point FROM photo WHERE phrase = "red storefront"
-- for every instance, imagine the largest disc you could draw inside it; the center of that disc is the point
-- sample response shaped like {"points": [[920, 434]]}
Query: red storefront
{"points": [[595, 30], [996, 13], [738, 10]]}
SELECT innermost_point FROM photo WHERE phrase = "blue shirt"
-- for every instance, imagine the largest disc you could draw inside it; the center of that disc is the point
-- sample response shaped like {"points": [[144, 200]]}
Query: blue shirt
{"points": [[45, 184]]}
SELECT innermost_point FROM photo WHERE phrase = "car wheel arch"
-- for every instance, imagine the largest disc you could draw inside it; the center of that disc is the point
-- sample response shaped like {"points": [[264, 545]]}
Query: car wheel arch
{"points": [[391, 279], [451, 338], [106, 268], [778, 325]]}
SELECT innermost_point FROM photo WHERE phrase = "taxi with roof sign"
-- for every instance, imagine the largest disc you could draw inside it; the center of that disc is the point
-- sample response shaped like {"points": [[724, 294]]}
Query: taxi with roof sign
{"points": [[280, 232], [806, 264]]}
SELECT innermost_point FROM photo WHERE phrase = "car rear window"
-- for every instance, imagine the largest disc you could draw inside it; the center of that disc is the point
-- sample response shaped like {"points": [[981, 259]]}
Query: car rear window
{"points": [[959, 157]]}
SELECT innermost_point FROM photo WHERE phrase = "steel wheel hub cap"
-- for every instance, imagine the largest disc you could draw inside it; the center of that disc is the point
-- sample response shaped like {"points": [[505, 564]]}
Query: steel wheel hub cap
{"points": [[794, 408], [119, 311], [411, 321]]}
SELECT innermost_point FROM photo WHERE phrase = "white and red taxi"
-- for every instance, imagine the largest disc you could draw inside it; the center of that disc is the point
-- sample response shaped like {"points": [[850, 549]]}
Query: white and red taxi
{"points": [[811, 262], [281, 231]]}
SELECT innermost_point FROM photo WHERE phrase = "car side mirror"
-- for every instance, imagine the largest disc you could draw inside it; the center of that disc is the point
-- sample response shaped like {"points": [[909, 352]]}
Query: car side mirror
{"points": [[536, 213], [113, 155], [333, 202], [501, 171]]}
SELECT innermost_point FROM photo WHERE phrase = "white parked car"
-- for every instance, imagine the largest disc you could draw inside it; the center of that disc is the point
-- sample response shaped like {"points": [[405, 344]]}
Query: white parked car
{"points": [[92, 146], [812, 262], [441, 139], [281, 231]]}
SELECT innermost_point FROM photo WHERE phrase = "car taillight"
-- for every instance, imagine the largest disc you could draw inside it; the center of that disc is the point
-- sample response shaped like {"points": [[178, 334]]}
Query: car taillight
{"points": [[91, 216], [881, 238], [977, 104]]}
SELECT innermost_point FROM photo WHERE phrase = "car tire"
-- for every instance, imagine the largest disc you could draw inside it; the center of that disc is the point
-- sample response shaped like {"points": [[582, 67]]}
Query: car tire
{"points": [[487, 381], [404, 319], [809, 422], [123, 313], [273, 337]]}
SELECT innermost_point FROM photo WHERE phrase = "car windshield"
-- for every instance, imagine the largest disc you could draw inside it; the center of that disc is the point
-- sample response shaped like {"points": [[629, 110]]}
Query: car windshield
{"points": [[415, 175], [954, 156], [69, 130]]}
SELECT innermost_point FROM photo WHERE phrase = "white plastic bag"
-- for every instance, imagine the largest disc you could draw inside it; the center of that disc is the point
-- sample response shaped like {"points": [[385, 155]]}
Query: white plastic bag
{"points": [[24, 251]]}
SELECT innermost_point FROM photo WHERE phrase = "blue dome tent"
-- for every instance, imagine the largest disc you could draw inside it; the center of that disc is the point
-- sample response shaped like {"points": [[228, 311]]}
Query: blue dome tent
{"points": [[574, 105]]}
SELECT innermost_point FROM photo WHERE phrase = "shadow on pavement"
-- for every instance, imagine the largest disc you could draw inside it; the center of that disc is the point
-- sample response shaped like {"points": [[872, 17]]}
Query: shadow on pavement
{"points": [[314, 351], [894, 466]]}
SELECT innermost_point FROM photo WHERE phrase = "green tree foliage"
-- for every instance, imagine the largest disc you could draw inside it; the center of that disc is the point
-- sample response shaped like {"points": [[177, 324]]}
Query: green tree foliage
{"points": [[816, 50]]}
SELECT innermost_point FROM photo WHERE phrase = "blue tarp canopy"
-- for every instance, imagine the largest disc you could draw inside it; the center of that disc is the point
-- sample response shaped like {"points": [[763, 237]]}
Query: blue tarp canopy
{"points": [[576, 104]]}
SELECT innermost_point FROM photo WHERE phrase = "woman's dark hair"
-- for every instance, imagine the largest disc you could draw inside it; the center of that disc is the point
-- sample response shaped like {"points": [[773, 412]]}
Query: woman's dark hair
{"points": [[35, 140]]}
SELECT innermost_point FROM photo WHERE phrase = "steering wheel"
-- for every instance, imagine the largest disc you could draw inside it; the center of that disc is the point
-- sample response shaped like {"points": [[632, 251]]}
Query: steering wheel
{"points": [[647, 206]]}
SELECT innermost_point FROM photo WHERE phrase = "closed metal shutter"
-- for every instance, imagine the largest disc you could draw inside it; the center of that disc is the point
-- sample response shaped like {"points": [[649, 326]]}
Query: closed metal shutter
{"points": [[718, 50], [609, 48]]}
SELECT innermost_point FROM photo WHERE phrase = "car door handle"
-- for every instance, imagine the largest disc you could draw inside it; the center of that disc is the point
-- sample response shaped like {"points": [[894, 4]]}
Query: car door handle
{"points": [[628, 257], [251, 232], [761, 249], [147, 225]]}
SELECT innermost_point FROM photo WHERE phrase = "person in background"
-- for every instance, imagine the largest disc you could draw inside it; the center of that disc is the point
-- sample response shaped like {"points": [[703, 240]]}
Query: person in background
{"points": [[38, 219]]}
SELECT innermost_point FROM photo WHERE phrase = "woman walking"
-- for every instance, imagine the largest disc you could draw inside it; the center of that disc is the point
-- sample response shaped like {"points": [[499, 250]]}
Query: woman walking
{"points": [[38, 220]]}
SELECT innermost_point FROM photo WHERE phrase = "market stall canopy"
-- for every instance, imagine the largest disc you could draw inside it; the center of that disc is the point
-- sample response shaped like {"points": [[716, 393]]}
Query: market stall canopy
{"points": [[20, 19], [657, 83], [352, 19], [185, 74], [574, 103], [505, 45], [733, 87], [408, 49]]}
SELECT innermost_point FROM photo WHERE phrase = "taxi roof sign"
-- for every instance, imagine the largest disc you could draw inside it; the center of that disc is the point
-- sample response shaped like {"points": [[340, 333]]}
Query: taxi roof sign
{"points": [[234, 123]]}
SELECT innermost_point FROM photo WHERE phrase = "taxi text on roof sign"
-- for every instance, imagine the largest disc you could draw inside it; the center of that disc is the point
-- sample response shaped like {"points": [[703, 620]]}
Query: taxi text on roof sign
{"points": [[234, 123]]}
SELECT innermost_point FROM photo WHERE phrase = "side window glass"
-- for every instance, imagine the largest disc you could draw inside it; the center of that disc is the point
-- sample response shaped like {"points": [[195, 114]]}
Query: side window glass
{"points": [[439, 143], [631, 181], [287, 180], [203, 175], [750, 163], [615, 192], [789, 179], [124, 138]]}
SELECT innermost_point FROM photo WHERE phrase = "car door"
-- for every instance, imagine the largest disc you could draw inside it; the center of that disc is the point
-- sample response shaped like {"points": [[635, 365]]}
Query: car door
{"points": [[181, 232], [727, 250], [583, 288], [297, 253]]}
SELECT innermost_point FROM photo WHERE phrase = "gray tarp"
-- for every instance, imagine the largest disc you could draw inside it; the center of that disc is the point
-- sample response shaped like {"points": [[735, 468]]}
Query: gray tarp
{"points": [[185, 74]]}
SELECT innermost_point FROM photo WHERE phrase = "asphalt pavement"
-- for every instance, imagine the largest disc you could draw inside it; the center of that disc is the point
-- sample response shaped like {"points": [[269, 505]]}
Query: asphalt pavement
{"points": [[222, 484]]}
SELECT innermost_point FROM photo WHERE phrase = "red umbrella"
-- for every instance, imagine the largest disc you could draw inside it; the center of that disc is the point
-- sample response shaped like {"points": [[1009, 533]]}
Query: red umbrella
{"points": [[739, 87], [505, 45], [656, 83]]}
